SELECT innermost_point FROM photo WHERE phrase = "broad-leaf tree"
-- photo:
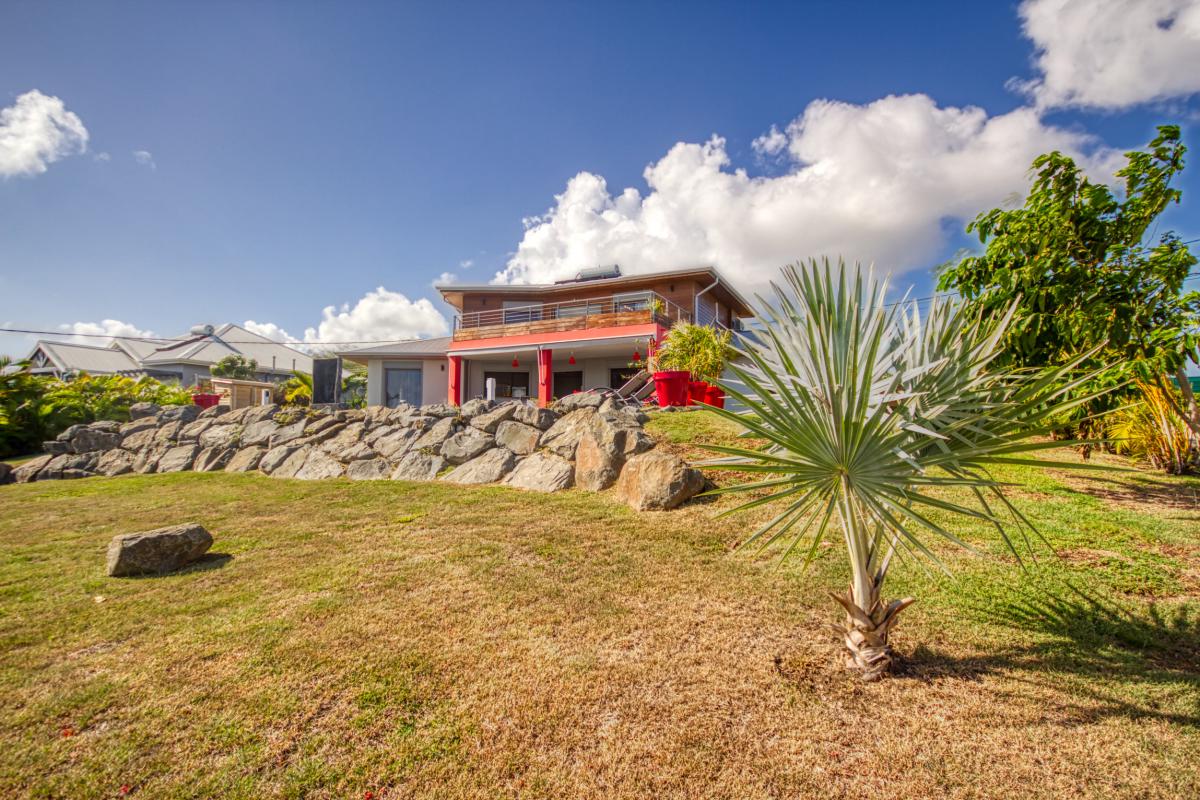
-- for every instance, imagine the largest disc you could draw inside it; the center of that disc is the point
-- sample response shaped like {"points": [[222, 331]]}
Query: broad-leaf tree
{"points": [[235, 366], [1087, 268], [871, 412]]}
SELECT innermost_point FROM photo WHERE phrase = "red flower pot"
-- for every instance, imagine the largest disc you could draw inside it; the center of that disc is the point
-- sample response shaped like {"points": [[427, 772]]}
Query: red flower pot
{"points": [[205, 400], [714, 396], [671, 387], [697, 391]]}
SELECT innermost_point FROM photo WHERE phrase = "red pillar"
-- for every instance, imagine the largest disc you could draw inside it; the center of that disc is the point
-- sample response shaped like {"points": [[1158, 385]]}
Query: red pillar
{"points": [[454, 396], [545, 377]]}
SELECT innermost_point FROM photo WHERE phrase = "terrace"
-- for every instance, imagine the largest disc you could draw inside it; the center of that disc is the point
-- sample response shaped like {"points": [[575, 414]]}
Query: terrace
{"points": [[618, 310]]}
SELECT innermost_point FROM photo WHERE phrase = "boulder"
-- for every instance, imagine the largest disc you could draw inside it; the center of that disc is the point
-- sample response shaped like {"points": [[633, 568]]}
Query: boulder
{"points": [[619, 435], [137, 426], [522, 439], [115, 462], [184, 414], [657, 480], [168, 432], [259, 413], [70, 432], [530, 414], [350, 415], [5, 473], [78, 465], [473, 408], [320, 424], [439, 410], [191, 432], [89, 440], [213, 458], [578, 400], [372, 469], [212, 412], [418, 466], [142, 410], [28, 471], [246, 459], [542, 472], [396, 444], [139, 440], [489, 421], [287, 433], [355, 452], [178, 458], [221, 436], [345, 438], [487, 468], [290, 465], [319, 465], [258, 432], [596, 468], [276, 457], [438, 433], [323, 433], [158, 551], [147, 459], [563, 436], [56, 448], [466, 444], [104, 425]]}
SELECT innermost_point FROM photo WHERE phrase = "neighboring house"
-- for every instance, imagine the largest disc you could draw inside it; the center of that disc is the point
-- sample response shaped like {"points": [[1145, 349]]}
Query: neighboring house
{"points": [[546, 341], [186, 358]]}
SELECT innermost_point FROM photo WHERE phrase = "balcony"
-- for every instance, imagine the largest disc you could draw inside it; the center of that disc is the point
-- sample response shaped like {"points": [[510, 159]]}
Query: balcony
{"points": [[635, 308]]}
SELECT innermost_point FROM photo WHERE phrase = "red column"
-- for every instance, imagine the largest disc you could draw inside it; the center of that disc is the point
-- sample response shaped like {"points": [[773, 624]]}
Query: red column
{"points": [[454, 396], [545, 377]]}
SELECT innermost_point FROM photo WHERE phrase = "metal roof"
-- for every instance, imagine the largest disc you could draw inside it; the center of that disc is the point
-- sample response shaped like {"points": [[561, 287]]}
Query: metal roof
{"points": [[230, 339], [413, 348], [71, 357]]}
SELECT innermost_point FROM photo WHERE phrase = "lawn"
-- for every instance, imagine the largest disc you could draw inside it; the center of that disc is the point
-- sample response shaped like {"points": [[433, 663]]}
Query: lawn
{"points": [[422, 640]]}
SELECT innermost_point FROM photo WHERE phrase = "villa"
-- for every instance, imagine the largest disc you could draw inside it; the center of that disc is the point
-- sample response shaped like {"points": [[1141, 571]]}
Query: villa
{"points": [[547, 341]]}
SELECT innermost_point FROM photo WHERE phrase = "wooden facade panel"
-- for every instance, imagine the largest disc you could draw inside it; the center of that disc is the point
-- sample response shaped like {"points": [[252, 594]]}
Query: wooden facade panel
{"points": [[681, 292], [621, 319]]}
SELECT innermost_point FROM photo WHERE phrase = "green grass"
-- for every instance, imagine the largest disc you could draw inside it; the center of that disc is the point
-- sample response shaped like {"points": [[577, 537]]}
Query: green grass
{"points": [[423, 640]]}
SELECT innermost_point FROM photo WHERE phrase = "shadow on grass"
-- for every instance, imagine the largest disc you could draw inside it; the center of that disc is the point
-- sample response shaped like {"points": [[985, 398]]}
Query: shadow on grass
{"points": [[204, 563], [1178, 495], [1108, 644]]}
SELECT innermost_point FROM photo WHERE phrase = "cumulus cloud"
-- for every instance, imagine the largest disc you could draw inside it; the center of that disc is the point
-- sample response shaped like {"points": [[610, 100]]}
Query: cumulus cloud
{"points": [[445, 278], [771, 143], [1112, 54], [145, 158], [466, 263], [270, 330], [36, 131], [94, 332], [379, 315], [873, 183]]}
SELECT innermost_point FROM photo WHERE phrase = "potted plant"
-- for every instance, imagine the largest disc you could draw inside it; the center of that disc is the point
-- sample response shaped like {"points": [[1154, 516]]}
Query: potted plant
{"points": [[701, 351]]}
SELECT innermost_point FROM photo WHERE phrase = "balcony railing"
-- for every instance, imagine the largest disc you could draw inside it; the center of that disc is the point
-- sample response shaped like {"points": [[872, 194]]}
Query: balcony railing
{"points": [[636, 308]]}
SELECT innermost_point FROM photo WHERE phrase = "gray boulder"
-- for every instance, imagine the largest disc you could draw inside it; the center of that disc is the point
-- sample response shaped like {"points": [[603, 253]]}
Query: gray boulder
{"points": [[69, 465], [89, 440], [146, 459], [287, 433], [158, 551], [355, 452], [578, 400], [191, 432], [221, 436], [657, 480], [259, 413], [439, 410], [28, 472], [139, 440], [563, 436], [489, 421], [57, 448], [487, 468], [105, 425], [258, 432], [213, 459], [178, 458], [184, 414], [137, 425], [418, 466], [345, 437], [320, 465], [245, 459], [465, 445], [596, 468], [168, 432], [320, 424], [530, 414], [70, 432], [620, 435], [542, 472], [290, 465], [274, 458], [473, 408], [438, 433], [396, 444], [5, 473], [372, 469], [212, 412], [115, 462], [142, 410], [516, 436]]}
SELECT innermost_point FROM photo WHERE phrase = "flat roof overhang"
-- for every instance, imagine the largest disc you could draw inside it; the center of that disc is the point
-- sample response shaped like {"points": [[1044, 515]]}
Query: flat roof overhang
{"points": [[557, 340]]}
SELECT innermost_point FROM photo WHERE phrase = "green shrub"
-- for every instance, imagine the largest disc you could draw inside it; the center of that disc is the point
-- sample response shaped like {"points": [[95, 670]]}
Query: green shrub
{"points": [[236, 367], [698, 349]]}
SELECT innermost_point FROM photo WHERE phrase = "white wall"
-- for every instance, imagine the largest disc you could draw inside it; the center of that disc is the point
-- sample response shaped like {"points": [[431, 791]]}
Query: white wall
{"points": [[435, 378]]}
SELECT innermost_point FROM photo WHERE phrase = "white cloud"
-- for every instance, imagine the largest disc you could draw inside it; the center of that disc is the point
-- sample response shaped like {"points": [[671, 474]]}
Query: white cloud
{"points": [[102, 157], [270, 330], [873, 183], [36, 131], [94, 332], [380, 315], [1112, 53], [145, 158], [771, 143], [444, 278], [466, 263]]}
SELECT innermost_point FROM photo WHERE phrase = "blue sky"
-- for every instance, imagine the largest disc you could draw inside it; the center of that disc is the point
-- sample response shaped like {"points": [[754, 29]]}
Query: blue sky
{"points": [[296, 156]]}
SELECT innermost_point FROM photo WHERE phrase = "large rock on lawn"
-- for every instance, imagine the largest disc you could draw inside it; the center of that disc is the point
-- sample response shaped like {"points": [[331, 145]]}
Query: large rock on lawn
{"points": [[213, 459], [158, 551], [522, 439], [246, 459], [418, 466], [596, 468], [371, 469], [473, 408], [439, 410], [578, 400], [530, 414], [141, 439], [70, 465], [259, 413], [563, 436], [136, 426], [438, 433], [619, 434], [656, 480], [28, 471], [258, 432], [90, 440], [184, 414], [115, 462], [542, 472], [396, 443], [287, 433], [178, 458], [489, 421], [320, 465], [221, 436], [212, 412], [191, 432], [142, 410], [466, 444], [276, 457], [5, 473], [487, 468]]}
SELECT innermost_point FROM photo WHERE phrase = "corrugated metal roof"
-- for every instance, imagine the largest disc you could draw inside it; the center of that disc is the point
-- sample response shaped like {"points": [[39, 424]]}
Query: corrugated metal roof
{"points": [[230, 339], [67, 356], [410, 347]]}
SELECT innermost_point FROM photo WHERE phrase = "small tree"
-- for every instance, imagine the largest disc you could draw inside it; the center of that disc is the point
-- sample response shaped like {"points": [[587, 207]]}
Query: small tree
{"points": [[699, 349], [235, 366]]}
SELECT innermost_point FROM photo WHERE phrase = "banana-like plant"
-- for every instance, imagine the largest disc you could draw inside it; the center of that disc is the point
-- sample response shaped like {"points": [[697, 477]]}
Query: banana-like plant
{"points": [[870, 411]]}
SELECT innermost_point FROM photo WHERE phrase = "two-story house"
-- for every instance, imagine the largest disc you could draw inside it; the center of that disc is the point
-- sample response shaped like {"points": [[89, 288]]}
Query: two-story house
{"points": [[546, 341]]}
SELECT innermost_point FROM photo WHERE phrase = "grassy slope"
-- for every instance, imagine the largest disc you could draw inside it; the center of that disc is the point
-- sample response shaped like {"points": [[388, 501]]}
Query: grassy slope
{"points": [[447, 642]]}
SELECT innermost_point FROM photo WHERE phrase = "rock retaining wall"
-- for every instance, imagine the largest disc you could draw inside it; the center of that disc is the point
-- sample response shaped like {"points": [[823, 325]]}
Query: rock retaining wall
{"points": [[585, 440]]}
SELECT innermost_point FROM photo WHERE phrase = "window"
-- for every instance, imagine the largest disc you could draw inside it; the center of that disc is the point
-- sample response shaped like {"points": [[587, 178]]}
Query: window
{"points": [[401, 386], [509, 384], [567, 382], [521, 311], [619, 377], [631, 301]]}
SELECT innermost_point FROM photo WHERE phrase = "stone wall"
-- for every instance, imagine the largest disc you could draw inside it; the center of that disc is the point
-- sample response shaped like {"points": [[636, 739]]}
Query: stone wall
{"points": [[585, 440]]}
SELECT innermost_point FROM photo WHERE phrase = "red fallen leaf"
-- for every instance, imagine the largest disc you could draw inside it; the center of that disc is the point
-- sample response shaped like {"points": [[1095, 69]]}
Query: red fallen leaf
{"points": [[125, 788], [67, 732], [368, 795]]}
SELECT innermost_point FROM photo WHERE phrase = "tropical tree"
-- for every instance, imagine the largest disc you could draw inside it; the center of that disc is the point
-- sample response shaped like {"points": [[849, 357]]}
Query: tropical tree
{"points": [[297, 390], [699, 349], [235, 366], [1086, 270], [869, 412]]}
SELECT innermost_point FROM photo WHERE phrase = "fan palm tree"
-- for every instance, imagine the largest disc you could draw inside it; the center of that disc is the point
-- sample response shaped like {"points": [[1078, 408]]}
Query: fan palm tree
{"points": [[869, 412]]}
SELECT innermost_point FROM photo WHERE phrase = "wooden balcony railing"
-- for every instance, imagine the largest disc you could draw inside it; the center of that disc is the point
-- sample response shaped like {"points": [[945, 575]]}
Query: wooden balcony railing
{"points": [[637, 308]]}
